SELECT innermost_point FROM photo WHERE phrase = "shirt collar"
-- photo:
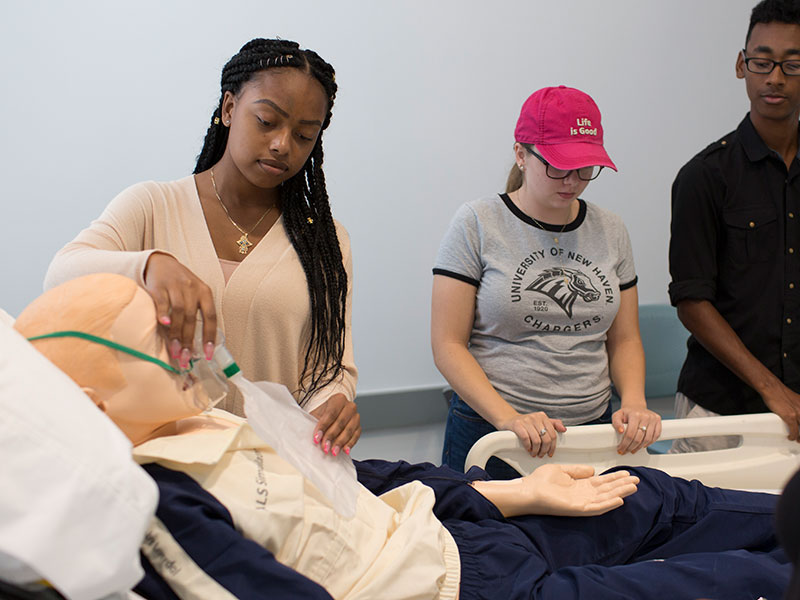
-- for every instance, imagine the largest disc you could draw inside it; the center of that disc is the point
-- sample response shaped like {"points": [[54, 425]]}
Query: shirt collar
{"points": [[754, 146], [202, 447]]}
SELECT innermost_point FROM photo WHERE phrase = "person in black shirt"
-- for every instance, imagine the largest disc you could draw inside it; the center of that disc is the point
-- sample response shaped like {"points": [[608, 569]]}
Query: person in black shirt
{"points": [[735, 250]]}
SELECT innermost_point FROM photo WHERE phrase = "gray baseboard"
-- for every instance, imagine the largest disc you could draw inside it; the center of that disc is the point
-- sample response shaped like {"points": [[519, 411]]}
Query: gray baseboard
{"points": [[403, 408]]}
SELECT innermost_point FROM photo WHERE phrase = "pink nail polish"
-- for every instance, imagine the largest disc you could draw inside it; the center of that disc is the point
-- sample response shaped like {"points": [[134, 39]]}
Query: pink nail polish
{"points": [[347, 450], [327, 446], [336, 450], [175, 349], [165, 320], [184, 359], [317, 437], [209, 350]]}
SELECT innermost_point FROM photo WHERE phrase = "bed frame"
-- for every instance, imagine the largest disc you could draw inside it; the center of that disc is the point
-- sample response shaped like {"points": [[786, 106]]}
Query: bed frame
{"points": [[764, 461]]}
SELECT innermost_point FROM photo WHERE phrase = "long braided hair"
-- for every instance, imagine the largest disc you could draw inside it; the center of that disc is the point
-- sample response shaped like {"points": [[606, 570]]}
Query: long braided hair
{"points": [[306, 209]]}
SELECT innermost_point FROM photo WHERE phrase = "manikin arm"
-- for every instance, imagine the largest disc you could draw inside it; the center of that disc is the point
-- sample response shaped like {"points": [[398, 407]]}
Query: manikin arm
{"points": [[559, 490]]}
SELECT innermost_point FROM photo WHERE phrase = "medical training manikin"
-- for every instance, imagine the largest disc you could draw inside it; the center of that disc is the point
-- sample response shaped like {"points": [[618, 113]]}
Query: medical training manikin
{"points": [[235, 519]]}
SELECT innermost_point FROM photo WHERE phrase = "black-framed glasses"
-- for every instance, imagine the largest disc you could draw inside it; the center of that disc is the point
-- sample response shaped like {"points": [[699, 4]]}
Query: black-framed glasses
{"points": [[584, 173], [765, 66]]}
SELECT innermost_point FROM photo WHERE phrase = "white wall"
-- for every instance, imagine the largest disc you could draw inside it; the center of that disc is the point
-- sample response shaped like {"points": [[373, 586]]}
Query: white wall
{"points": [[101, 94]]}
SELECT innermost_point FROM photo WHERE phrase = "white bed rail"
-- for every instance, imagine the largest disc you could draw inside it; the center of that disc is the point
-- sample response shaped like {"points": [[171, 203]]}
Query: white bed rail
{"points": [[764, 460]]}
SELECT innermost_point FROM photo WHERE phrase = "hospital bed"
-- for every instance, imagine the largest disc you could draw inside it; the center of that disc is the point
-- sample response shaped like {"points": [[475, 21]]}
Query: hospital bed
{"points": [[763, 461]]}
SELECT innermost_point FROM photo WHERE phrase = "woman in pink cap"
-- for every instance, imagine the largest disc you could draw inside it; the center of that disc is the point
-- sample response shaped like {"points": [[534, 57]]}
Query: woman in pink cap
{"points": [[535, 308]]}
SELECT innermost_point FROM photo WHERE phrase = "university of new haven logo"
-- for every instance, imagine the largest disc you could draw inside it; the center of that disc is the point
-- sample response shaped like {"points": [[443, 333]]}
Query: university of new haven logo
{"points": [[564, 286]]}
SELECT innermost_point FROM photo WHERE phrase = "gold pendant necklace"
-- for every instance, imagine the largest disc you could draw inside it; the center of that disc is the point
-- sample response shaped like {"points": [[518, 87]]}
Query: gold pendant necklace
{"points": [[538, 224], [542, 227], [243, 243]]}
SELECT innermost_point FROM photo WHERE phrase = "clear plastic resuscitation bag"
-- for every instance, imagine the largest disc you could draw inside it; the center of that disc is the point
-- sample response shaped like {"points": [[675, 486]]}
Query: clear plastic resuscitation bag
{"points": [[277, 419], [274, 415]]}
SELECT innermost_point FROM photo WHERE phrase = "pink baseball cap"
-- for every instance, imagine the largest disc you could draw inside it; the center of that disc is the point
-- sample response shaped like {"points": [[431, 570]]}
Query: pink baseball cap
{"points": [[564, 125]]}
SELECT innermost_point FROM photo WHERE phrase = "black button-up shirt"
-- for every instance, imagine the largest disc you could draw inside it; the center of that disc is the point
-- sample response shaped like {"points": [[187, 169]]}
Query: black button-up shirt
{"points": [[736, 242]]}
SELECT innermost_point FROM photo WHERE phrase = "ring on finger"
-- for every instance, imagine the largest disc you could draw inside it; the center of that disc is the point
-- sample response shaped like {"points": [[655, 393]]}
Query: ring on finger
{"points": [[543, 431], [643, 428]]}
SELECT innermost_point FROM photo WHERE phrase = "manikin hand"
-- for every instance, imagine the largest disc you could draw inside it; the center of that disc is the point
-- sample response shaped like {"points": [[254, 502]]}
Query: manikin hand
{"points": [[339, 425], [560, 490]]}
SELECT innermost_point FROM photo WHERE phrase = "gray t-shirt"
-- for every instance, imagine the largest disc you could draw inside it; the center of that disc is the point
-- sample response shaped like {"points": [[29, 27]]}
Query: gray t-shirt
{"points": [[543, 307]]}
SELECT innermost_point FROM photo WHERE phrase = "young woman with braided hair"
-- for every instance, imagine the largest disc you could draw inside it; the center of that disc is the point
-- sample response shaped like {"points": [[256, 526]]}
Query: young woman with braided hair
{"points": [[248, 240]]}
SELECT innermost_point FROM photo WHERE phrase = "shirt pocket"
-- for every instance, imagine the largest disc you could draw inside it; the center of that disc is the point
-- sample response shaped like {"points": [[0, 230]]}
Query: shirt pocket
{"points": [[751, 233]]}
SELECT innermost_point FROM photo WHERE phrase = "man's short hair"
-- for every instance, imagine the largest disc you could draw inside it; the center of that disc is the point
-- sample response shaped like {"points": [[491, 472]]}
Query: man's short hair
{"points": [[774, 11]]}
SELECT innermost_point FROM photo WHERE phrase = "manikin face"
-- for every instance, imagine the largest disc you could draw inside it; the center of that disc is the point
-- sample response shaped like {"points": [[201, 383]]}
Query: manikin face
{"points": [[773, 96], [274, 123], [151, 396]]}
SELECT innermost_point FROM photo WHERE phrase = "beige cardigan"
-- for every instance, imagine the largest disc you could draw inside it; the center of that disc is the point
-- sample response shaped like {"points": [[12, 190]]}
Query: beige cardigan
{"points": [[264, 310]]}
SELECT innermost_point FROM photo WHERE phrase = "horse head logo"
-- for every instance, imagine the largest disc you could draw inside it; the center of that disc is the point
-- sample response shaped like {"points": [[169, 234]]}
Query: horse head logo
{"points": [[564, 286]]}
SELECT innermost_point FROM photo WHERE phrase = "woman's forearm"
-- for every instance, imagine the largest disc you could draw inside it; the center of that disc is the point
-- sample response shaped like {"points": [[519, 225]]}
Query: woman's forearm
{"points": [[452, 319], [627, 366], [468, 379], [625, 351]]}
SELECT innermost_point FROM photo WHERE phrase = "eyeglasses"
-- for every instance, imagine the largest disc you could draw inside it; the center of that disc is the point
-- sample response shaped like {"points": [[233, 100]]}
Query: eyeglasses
{"points": [[765, 66], [208, 386], [584, 173]]}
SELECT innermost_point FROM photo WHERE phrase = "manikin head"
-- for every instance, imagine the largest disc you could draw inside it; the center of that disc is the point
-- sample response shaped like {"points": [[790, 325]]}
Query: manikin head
{"points": [[139, 396]]}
